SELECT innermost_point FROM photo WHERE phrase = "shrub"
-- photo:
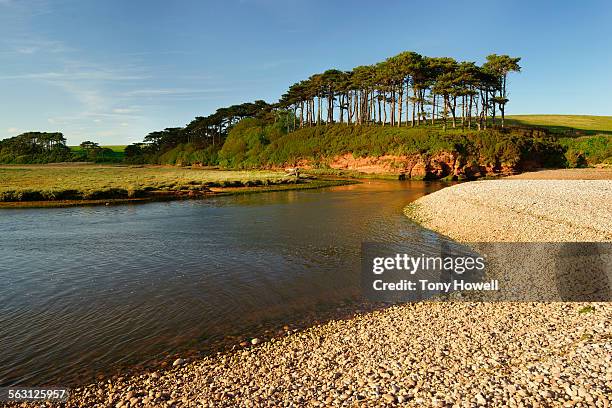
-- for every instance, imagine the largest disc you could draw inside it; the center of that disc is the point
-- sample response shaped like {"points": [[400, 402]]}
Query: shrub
{"points": [[587, 150]]}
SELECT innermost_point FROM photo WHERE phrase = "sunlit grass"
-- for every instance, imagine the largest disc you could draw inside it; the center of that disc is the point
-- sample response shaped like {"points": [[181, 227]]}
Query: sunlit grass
{"points": [[563, 123], [114, 148], [54, 182]]}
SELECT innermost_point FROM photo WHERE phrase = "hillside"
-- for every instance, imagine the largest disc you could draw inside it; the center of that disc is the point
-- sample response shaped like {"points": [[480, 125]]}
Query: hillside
{"points": [[585, 124]]}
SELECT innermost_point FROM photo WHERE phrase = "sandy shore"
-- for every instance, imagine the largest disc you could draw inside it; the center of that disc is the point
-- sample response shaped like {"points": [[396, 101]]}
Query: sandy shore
{"points": [[461, 354]]}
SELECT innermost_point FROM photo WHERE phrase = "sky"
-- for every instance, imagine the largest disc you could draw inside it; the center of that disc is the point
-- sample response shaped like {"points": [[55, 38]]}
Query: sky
{"points": [[112, 71]]}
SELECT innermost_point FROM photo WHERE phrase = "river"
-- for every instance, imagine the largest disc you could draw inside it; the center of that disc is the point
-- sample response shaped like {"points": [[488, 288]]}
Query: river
{"points": [[85, 289]]}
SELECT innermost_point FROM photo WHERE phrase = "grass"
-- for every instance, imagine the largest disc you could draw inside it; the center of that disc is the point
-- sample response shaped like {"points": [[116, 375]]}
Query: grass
{"points": [[567, 124], [114, 148], [116, 156], [93, 182]]}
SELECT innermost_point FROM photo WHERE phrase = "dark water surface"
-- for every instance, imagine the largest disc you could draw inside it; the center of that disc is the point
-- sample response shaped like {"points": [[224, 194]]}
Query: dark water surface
{"points": [[84, 289]]}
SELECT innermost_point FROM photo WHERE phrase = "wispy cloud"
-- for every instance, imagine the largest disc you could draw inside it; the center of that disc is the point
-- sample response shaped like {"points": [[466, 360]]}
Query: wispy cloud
{"points": [[75, 70], [125, 110], [76, 75], [29, 46], [173, 92]]}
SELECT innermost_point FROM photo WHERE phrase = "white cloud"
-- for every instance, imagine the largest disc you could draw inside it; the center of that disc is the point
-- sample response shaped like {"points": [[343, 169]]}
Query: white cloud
{"points": [[172, 92], [12, 130], [125, 110]]}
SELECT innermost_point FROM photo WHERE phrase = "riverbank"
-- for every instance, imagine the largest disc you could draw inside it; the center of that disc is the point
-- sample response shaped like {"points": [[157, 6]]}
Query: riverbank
{"points": [[421, 354], [547, 206], [66, 185]]}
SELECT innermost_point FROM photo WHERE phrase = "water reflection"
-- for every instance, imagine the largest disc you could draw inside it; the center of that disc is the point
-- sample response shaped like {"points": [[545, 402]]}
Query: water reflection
{"points": [[93, 287]]}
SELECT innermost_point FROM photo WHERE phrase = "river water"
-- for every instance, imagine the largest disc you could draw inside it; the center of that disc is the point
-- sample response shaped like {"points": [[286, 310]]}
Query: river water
{"points": [[85, 289]]}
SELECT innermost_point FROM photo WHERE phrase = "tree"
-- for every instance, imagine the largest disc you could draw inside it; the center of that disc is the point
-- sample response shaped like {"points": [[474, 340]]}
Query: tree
{"points": [[88, 145], [133, 150], [499, 66], [407, 85], [34, 147]]}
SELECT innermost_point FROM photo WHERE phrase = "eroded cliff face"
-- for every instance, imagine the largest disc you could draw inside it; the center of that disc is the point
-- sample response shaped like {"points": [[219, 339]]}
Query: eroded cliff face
{"points": [[428, 167]]}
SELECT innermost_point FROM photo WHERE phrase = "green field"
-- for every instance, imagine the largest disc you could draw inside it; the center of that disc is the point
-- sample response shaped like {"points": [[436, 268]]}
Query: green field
{"points": [[114, 148], [91, 182], [571, 124], [117, 154]]}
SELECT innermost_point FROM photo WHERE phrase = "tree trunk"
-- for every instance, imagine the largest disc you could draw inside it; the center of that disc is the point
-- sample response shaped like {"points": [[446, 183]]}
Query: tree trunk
{"points": [[301, 114], [433, 108], [417, 106], [470, 112], [453, 107], [349, 107], [392, 107], [502, 107], [407, 103], [385, 107], [445, 114], [462, 111], [400, 105], [413, 107]]}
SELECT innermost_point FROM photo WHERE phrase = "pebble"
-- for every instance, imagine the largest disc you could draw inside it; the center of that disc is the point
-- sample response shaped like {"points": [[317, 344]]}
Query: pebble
{"points": [[389, 398]]}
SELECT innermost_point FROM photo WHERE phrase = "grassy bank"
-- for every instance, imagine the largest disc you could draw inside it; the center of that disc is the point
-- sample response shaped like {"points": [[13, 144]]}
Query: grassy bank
{"points": [[252, 144], [62, 183], [586, 139]]}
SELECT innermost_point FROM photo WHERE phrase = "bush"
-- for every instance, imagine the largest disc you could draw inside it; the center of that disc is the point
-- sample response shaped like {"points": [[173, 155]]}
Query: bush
{"points": [[188, 154], [587, 150], [245, 143]]}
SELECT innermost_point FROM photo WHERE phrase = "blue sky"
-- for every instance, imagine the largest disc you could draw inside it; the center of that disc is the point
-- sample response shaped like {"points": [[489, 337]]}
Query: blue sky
{"points": [[113, 70]]}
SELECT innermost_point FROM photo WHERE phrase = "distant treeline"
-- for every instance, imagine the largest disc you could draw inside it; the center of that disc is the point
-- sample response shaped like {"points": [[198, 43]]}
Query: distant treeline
{"points": [[42, 147], [35, 147]]}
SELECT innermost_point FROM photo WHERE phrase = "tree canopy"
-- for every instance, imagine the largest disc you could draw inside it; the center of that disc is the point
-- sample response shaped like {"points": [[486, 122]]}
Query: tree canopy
{"points": [[34, 147], [408, 89]]}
